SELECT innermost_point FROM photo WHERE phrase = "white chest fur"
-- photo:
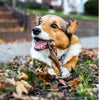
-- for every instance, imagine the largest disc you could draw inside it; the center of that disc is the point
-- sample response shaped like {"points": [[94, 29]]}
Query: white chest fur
{"points": [[40, 55], [44, 55]]}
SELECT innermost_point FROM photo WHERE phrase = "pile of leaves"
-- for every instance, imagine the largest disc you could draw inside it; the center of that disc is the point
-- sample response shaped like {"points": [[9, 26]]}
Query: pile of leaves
{"points": [[21, 80]]}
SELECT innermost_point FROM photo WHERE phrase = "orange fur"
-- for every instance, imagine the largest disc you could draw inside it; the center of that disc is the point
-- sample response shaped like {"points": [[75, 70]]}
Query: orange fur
{"points": [[74, 40], [71, 64], [73, 26], [59, 37]]}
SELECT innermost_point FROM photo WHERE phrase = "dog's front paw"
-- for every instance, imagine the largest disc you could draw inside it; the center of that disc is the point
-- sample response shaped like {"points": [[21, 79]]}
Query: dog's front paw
{"points": [[65, 72], [51, 72]]}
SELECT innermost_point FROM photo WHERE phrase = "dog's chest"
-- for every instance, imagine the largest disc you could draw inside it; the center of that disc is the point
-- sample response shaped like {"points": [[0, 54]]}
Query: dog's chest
{"points": [[44, 55]]}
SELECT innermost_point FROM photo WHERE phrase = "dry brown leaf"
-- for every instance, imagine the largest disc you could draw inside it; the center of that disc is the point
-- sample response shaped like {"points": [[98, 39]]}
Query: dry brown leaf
{"points": [[93, 65], [22, 87], [38, 70], [22, 76], [74, 82], [94, 89], [62, 82], [29, 60], [27, 97], [11, 81], [73, 89], [1, 86], [50, 90], [2, 96], [26, 84], [1, 74], [59, 94]]}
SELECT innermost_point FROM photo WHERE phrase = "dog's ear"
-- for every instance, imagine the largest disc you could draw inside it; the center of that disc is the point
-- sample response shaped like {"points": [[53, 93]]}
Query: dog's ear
{"points": [[72, 26], [37, 18]]}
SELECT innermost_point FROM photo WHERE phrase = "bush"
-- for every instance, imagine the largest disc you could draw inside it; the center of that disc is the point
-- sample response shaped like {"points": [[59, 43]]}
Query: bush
{"points": [[9, 2], [1, 3], [44, 7], [36, 5], [91, 7], [20, 4], [59, 9], [33, 5]]}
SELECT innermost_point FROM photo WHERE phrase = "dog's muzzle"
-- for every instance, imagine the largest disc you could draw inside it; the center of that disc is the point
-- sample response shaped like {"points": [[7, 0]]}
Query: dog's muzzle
{"points": [[36, 31]]}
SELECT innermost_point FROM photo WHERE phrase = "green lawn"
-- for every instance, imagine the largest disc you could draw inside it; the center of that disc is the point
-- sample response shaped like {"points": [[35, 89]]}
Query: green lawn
{"points": [[44, 12]]}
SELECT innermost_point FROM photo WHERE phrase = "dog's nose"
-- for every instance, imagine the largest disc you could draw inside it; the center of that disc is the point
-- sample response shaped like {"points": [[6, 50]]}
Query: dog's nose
{"points": [[36, 31]]}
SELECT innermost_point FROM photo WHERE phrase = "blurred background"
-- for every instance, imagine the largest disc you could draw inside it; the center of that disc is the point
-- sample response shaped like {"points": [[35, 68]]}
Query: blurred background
{"points": [[17, 20], [17, 16]]}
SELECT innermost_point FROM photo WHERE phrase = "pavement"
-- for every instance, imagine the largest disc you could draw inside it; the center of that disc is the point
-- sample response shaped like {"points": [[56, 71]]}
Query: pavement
{"points": [[11, 50]]}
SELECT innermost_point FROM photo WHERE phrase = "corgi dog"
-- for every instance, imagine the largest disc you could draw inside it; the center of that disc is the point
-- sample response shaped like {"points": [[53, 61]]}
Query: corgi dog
{"points": [[53, 28]]}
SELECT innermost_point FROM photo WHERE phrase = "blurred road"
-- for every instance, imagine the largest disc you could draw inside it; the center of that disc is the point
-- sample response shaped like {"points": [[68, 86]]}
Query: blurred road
{"points": [[11, 50]]}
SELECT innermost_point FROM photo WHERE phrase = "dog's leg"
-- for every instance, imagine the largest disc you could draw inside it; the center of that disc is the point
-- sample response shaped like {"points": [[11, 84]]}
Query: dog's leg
{"points": [[71, 64], [68, 66], [65, 69]]}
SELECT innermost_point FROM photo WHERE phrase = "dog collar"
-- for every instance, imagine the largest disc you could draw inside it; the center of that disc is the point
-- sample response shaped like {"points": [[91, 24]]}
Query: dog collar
{"points": [[62, 57], [69, 35]]}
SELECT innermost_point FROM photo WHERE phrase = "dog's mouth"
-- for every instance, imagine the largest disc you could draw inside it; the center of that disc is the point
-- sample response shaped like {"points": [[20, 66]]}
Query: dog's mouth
{"points": [[41, 44]]}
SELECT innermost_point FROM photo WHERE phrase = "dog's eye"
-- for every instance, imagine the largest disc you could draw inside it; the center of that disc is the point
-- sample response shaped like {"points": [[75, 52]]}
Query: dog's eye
{"points": [[54, 26], [40, 22]]}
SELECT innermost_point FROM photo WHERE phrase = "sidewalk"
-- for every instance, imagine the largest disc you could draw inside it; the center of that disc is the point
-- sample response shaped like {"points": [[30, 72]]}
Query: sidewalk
{"points": [[90, 42], [11, 50]]}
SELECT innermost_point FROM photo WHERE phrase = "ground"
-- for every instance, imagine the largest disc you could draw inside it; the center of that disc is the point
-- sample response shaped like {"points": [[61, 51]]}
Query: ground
{"points": [[20, 80]]}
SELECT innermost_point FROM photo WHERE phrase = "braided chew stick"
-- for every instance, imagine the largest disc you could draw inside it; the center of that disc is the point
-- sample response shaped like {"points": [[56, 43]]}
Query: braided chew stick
{"points": [[53, 57]]}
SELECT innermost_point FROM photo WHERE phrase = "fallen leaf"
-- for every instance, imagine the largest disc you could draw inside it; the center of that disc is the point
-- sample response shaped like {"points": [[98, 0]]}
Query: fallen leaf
{"points": [[20, 88], [1, 86], [52, 90], [58, 94], [26, 84], [27, 97], [22, 76], [93, 65], [74, 82], [62, 82], [73, 89], [11, 81], [2, 96], [95, 89]]}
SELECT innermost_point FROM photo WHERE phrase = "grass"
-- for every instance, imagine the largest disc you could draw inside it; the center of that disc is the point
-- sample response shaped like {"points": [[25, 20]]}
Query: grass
{"points": [[86, 75], [44, 12], [84, 71]]}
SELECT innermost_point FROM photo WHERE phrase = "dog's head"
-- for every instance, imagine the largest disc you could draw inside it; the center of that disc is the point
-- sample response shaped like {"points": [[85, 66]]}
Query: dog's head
{"points": [[51, 28]]}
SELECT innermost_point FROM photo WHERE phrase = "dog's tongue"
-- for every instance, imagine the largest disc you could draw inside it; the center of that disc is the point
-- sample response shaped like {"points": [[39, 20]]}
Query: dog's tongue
{"points": [[41, 44]]}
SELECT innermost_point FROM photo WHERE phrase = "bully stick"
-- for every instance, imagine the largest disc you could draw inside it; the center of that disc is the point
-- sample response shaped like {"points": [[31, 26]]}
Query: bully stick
{"points": [[53, 57]]}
